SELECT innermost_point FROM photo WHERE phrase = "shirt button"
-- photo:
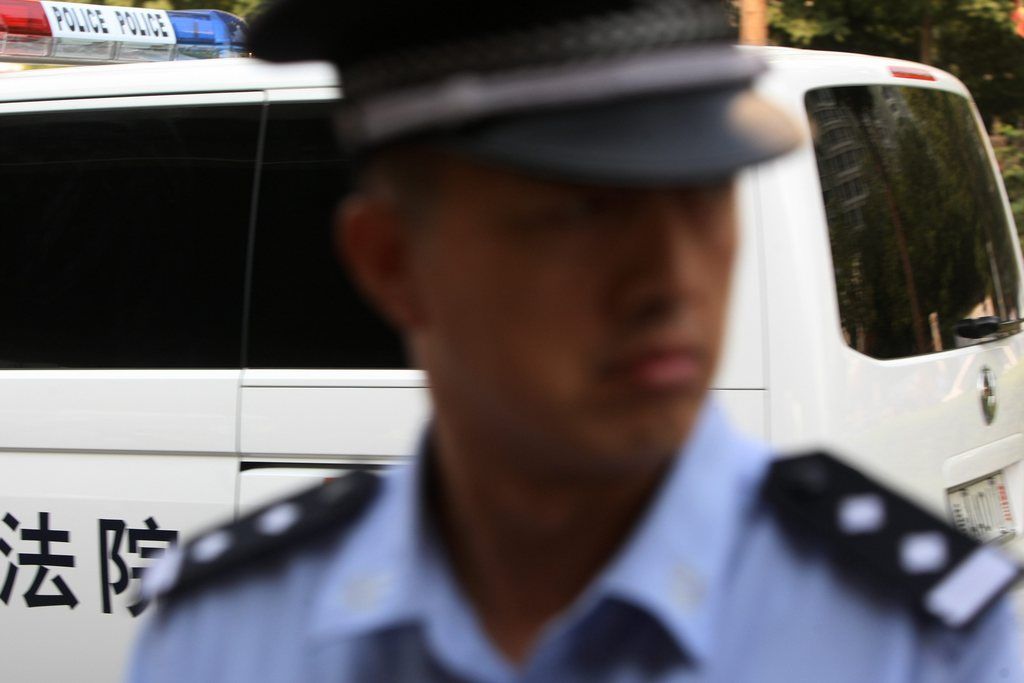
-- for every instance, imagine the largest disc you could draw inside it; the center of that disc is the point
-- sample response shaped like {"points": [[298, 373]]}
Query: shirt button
{"points": [[210, 547], [688, 588], [278, 519], [365, 593]]}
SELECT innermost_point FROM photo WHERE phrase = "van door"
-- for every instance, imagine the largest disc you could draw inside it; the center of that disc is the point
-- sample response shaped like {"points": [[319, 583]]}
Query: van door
{"points": [[122, 253], [326, 379]]}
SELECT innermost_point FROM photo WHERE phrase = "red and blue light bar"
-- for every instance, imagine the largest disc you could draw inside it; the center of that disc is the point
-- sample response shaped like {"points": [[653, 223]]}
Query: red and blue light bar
{"points": [[41, 31]]}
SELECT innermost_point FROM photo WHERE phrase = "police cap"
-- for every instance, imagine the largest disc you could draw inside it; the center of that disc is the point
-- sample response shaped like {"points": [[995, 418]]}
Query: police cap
{"points": [[637, 92]]}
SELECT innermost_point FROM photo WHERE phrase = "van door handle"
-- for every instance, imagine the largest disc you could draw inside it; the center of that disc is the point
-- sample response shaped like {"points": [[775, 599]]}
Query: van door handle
{"points": [[986, 326]]}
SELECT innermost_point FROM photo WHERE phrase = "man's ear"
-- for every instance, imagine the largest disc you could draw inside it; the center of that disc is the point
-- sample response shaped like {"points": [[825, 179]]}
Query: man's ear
{"points": [[375, 246]]}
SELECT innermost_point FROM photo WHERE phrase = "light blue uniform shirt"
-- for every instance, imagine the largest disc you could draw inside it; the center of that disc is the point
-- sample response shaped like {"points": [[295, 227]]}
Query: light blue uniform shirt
{"points": [[708, 588]]}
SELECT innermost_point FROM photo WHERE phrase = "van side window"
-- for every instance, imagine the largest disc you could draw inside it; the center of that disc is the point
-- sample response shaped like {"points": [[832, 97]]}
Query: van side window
{"points": [[122, 242], [920, 238], [304, 311]]}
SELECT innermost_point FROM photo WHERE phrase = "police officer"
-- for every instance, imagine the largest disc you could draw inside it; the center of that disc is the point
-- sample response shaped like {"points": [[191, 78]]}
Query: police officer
{"points": [[545, 210]]}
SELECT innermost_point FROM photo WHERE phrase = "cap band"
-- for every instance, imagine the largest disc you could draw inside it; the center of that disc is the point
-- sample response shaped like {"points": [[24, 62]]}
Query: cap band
{"points": [[647, 27], [471, 97]]}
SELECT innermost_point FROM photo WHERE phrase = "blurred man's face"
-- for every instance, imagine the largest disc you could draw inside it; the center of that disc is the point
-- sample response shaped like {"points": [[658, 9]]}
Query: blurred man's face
{"points": [[582, 323]]}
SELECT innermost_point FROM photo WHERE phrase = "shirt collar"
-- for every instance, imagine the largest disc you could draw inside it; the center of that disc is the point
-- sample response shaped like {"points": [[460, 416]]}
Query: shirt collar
{"points": [[671, 567], [393, 572], [374, 570], [674, 565]]}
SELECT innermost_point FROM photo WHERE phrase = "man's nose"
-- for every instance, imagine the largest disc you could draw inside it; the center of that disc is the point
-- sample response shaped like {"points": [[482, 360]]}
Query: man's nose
{"points": [[658, 258]]}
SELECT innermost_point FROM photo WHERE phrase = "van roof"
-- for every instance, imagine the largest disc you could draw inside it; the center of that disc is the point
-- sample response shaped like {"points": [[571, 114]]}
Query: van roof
{"points": [[163, 78], [817, 68], [794, 66]]}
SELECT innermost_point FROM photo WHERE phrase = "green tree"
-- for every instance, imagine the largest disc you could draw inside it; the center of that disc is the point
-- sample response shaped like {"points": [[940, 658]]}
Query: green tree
{"points": [[973, 39], [1008, 142]]}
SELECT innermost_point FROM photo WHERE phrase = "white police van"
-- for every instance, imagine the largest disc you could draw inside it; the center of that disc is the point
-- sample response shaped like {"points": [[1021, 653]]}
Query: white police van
{"points": [[178, 343]]}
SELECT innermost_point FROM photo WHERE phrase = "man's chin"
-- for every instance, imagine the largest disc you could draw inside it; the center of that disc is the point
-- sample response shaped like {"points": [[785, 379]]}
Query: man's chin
{"points": [[655, 425], [619, 447]]}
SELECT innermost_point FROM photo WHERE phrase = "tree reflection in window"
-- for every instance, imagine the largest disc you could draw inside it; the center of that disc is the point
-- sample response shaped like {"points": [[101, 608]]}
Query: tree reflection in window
{"points": [[919, 233]]}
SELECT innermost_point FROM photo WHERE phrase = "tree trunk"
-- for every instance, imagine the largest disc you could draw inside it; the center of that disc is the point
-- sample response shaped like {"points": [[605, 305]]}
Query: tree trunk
{"points": [[927, 35], [753, 22]]}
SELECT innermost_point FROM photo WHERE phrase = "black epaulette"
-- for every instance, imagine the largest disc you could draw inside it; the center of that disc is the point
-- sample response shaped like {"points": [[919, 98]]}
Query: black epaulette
{"points": [[891, 543], [263, 534]]}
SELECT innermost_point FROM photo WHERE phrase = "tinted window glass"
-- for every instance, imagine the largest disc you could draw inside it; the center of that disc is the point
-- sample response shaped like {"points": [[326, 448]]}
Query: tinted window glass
{"points": [[123, 237], [920, 239], [305, 312]]}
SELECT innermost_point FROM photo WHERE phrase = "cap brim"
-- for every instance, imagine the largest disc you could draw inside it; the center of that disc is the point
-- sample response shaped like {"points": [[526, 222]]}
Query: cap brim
{"points": [[668, 139]]}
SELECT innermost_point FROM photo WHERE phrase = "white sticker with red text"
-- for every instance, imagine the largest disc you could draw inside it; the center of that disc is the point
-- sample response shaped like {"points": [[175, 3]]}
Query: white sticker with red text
{"points": [[109, 23], [982, 509]]}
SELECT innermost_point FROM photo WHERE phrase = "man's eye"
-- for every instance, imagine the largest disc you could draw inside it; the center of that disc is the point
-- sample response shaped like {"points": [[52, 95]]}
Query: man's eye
{"points": [[582, 207], [710, 193]]}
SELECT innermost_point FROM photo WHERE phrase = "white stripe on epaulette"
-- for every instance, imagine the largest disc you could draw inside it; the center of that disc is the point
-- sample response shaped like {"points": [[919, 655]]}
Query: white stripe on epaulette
{"points": [[971, 585]]}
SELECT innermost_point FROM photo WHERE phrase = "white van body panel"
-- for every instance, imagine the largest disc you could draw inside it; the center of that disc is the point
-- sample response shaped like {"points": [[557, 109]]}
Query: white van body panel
{"points": [[742, 365], [144, 411], [333, 420], [186, 448], [163, 78], [79, 491]]}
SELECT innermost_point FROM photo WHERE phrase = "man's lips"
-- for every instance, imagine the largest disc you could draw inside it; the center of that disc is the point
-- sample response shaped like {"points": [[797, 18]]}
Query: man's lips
{"points": [[659, 368]]}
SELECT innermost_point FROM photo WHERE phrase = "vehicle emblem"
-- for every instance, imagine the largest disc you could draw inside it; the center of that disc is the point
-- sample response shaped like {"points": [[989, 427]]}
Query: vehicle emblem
{"points": [[987, 390]]}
